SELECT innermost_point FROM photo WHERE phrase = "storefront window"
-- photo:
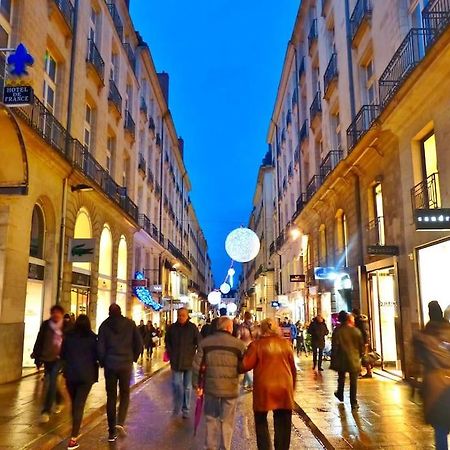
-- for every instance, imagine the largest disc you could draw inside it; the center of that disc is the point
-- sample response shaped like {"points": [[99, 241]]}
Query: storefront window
{"points": [[37, 233], [121, 294]]}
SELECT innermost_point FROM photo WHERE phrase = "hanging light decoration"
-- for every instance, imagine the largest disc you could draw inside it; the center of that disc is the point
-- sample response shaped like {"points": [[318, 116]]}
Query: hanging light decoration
{"points": [[214, 297], [225, 288], [231, 308], [144, 295], [242, 245], [231, 272]]}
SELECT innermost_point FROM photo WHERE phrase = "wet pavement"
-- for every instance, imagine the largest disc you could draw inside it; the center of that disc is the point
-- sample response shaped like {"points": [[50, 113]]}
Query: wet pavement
{"points": [[21, 402], [387, 418], [151, 425]]}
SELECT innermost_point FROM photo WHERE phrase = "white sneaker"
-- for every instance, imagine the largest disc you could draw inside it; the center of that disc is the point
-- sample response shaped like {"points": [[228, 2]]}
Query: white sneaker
{"points": [[121, 430], [45, 417]]}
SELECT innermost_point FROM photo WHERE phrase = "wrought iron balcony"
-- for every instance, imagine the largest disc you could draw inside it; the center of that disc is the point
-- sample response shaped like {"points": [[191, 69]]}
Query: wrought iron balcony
{"points": [[361, 124], [116, 19], [178, 254], [65, 7], [375, 231], [313, 34], [436, 16], [128, 124], [331, 74], [130, 55], [95, 59], [304, 131], [143, 106], [361, 14], [142, 164], [114, 96], [272, 248], [405, 59], [330, 162], [313, 186], [161, 238], [145, 224], [301, 202], [316, 106], [301, 70], [426, 194]]}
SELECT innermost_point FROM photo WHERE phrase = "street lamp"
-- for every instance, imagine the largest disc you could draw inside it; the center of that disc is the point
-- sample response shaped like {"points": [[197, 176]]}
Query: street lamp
{"points": [[81, 188]]}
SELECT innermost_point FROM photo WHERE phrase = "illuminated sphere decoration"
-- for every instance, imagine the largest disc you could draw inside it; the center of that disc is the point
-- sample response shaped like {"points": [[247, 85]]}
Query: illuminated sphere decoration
{"points": [[242, 245], [231, 308], [223, 306], [225, 288], [231, 272], [214, 297]]}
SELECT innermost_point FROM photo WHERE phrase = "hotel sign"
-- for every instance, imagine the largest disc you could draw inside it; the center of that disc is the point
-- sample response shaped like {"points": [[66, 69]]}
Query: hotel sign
{"points": [[17, 95], [432, 219], [383, 250]]}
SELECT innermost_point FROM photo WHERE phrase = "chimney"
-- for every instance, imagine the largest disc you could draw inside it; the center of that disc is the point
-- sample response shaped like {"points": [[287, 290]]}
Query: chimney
{"points": [[163, 79], [181, 146]]}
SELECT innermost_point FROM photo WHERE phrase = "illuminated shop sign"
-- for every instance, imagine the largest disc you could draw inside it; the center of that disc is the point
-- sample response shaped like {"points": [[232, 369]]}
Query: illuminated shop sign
{"points": [[297, 278], [432, 219], [325, 273]]}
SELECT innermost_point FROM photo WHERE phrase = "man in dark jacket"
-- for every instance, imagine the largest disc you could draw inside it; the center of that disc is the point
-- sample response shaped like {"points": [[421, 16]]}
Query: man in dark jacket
{"points": [[362, 323], [182, 339], [47, 351], [142, 331], [318, 330], [346, 352], [221, 354], [119, 344]]}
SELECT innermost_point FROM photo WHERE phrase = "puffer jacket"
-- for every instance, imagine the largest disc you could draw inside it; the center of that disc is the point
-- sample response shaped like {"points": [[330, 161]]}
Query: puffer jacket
{"points": [[222, 355]]}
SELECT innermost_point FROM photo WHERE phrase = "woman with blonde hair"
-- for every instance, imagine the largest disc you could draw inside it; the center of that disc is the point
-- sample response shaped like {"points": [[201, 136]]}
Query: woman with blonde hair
{"points": [[272, 360]]}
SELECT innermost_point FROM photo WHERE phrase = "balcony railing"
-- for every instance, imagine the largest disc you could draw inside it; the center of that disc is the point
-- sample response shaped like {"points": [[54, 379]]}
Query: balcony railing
{"points": [[65, 8], [375, 231], [272, 248], [48, 128], [330, 162], [300, 204], [313, 34], [426, 194], [116, 19], [304, 131], [436, 16], [405, 59], [361, 124], [128, 124], [280, 240], [142, 165], [316, 107], [178, 254], [130, 55], [331, 73], [313, 186], [114, 96], [95, 59], [361, 13], [145, 223]]}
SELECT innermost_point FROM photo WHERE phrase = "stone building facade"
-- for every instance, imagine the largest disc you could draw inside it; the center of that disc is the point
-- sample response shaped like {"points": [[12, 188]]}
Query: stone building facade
{"points": [[96, 155]]}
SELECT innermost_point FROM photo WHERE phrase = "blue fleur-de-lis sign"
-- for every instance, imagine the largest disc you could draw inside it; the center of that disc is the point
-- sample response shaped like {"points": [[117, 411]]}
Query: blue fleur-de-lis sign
{"points": [[20, 59]]}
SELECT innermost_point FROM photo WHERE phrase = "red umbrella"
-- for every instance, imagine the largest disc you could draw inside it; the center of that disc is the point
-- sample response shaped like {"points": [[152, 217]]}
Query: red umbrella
{"points": [[200, 395]]}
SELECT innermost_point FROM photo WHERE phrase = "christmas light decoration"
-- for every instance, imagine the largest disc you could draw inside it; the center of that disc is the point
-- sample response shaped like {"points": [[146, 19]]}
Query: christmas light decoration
{"points": [[214, 297], [144, 295], [231, 308], [225, 288], [242, 245]]}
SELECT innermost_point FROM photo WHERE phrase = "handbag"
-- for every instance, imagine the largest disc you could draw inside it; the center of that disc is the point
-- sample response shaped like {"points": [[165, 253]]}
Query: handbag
{"points": [[166, 357]]}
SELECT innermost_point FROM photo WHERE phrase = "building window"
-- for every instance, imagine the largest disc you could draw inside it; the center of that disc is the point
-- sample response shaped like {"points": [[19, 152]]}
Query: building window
{"points": [[110, 154], [126, 172], [370, 84], [336, 130], [93, 26], [50, 74], [378, 214], [430, 172], [5, 9], [342, 239], [88, 141], [114, 70], [129, 98], [3, 44], [37, 235], [323, 245]]}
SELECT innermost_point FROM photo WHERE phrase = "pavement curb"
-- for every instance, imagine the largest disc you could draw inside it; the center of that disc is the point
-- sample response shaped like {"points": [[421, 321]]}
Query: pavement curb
{"points": [[313, 427], [59, 434]]}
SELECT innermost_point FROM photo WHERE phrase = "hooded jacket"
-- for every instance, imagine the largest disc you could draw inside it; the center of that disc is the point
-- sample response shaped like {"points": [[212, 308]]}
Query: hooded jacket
{"points": [[119, 343]]}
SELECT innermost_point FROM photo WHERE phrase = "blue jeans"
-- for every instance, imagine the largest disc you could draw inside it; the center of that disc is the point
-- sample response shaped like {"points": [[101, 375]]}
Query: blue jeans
{"points": [[441, 438], [182, 389], [53, 394]]}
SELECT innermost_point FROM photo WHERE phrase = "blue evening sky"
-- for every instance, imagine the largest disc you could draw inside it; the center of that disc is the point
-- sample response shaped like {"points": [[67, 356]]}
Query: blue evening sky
{"points": [[224, 58]]}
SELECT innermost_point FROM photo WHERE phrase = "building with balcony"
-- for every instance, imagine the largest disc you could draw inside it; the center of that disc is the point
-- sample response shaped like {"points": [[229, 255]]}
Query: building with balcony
{"points": [[367, 142], [86, 160]]}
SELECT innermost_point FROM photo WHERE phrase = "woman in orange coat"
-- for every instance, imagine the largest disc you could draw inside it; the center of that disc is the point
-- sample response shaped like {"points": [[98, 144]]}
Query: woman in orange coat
{"points": [[272, 360]]}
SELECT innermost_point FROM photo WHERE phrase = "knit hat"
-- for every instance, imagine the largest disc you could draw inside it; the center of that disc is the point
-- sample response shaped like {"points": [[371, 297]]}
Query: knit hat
{"points": [[435, 311], [342, 317]]}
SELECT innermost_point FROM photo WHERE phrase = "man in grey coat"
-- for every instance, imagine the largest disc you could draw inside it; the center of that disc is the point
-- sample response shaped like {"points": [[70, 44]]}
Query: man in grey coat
{"points": [[221, 354]]}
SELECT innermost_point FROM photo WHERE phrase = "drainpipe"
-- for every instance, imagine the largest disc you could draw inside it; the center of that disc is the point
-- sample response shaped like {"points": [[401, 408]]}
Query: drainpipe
{"points": [[351, 86], [161, 171], [72, 68], [62, 241], [280, 276]]}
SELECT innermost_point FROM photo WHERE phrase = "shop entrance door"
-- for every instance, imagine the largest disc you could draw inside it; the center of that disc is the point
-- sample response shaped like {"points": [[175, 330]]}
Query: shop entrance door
{"points": [[385, 318], [32, 319], [79, 301]]}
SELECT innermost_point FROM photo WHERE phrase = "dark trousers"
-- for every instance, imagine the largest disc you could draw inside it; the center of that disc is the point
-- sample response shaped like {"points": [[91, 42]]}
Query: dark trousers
{"points": [[282, 419], [78, 394], [317, 351], [353, 386], [51, 371], [149, 348], [112, 377]]}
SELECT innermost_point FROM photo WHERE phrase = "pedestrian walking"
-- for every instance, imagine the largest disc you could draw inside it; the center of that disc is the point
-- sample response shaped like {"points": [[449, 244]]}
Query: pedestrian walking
{"points": [[119, 345], [346, 353], [301, 343], [362, 323], [182, 339], [206, 328], [47, 351], [272, 359], [433, 349], [79, 355], [318, 330], [221, 356], [246, 335], [150, 339], [142, 332]]}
